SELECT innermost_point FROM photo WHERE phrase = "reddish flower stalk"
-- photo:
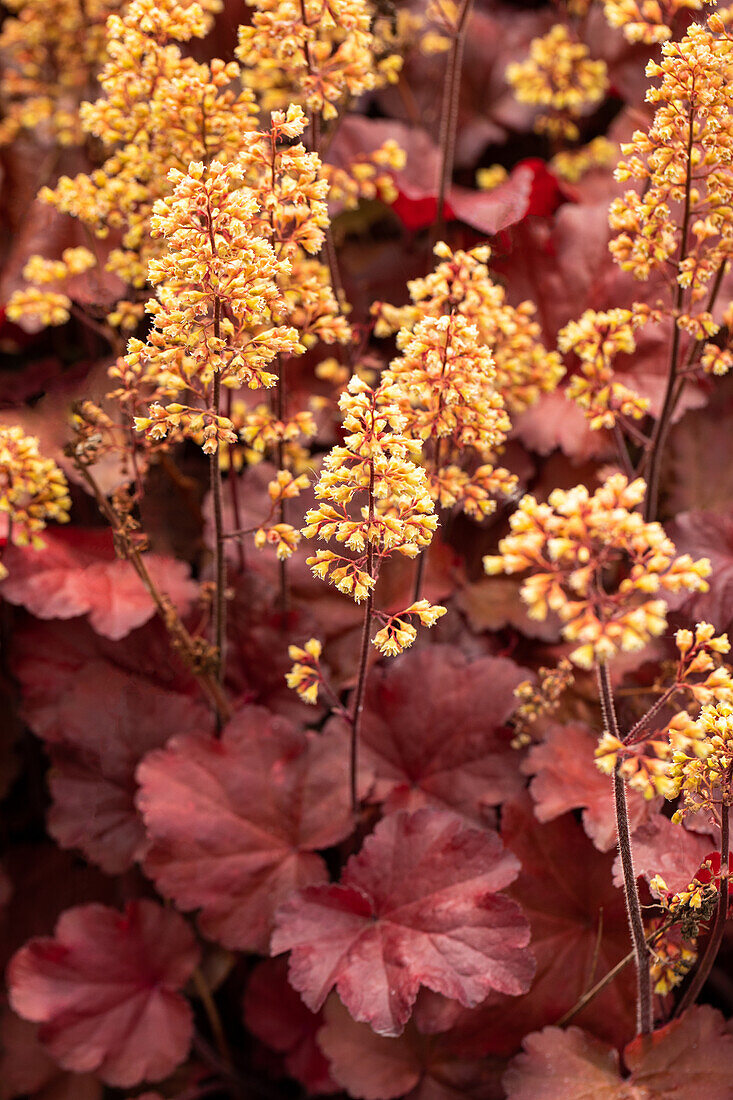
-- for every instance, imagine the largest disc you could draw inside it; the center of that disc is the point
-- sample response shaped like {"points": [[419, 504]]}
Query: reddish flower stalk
{"points": [[449, 111], [220, 565], [182, 641], [721, 914], [644, 1017], [356, 713]]}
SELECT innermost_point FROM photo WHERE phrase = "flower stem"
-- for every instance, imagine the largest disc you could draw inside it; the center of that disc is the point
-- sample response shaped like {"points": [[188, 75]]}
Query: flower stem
{"points": [[721, 915], [212, 1015], [644, 1020], [363, 662], [359, 704], [233, 482], [662, 426], [449, 112], [220, 569], [182, 641], [637, 732]]}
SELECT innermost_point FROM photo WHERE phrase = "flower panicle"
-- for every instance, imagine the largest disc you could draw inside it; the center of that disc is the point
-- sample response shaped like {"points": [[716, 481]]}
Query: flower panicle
{"points": [[560, 77], [593, 560], [33, 490]]}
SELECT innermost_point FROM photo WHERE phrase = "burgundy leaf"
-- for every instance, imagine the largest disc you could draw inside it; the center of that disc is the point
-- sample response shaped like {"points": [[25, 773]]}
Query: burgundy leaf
{"points": [[579, 932], [690, 1058], [663, 848], [418, 1067], [99, 717], [709, 535], [105, 990], [433, 731], [566, 778], [235, 823], [77, 573], [419, 905], [276, 1015], [26, 1069]]}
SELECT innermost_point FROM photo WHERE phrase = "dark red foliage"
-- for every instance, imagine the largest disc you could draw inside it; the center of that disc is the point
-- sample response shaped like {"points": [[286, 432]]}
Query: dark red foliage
{"points": [[194, 902], [434, 732], [99, 716], [418, 906], [235, 824], [566, 778], [689, 1058], [276, 1015], [578, 932], [105, 990], [77, 573]]}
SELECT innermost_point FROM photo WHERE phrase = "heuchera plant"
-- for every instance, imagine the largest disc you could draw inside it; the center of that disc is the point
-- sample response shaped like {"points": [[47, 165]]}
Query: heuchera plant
{"points": [[366, 543]]}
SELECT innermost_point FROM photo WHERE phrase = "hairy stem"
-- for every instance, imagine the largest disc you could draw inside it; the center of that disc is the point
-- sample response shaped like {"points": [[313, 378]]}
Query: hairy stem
{"points": [[366, 634], [422, 558], [420, 575], [662, 426], [181, 639], [220, 568], [359, 704], [233, 483], [721, 914], [449, 112], [644, 1020], [636, 733]]}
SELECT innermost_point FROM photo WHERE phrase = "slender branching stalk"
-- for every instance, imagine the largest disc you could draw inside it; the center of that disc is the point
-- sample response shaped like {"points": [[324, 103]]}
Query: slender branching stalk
{"points": [[449, 112], [366, 635], [693, 990], [664, 421], [233, 485], [220, 568], [608, 978], [644, 1019], [212, 1015], [183, 642]]}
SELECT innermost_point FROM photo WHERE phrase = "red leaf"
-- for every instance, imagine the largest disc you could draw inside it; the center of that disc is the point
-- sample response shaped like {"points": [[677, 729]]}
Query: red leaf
{"points": [[105, 990], [77, 573], [566, 891], [417, 906], [276, 1015], [100, 718], [27, 1070], [553, 422], [493, 603], [235, 823], [690, 1058], [566, 778], [564, 1065], [431, 730], [663, 848], [530, 188], [418, 1067]]}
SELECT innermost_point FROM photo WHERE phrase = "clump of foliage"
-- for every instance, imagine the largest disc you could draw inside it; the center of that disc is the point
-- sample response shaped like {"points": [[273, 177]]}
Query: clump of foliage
{"points": [[365, 549]]}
